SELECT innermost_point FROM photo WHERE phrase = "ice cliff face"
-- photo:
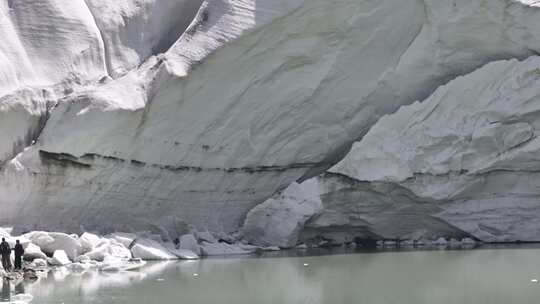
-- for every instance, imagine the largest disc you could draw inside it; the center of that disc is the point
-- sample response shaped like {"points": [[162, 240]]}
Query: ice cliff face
{"points": [[472, 148], [154, 114], [464, 162]]}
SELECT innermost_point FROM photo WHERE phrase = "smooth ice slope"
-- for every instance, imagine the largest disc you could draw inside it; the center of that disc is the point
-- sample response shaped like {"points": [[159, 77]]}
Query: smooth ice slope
{"points": [[252, 96]]}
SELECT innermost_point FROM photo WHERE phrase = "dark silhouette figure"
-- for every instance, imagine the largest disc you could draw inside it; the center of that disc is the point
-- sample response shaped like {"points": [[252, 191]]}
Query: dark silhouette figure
{"points": [[6, 291], [5, 252], [133, 243], [19, 251], [176, 243]]}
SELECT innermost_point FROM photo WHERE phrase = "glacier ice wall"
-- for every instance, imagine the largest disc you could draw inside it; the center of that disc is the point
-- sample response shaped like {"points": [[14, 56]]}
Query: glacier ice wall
{"points": [[462, 163], [472, 147], [165, 121]]}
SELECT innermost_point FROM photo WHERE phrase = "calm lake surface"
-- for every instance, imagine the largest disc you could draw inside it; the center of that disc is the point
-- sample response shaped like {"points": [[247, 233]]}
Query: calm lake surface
{"points": [[489, 276]]}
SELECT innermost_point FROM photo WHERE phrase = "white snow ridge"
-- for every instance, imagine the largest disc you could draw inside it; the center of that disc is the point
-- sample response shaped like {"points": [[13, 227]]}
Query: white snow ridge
{"points": [[175, 116]]}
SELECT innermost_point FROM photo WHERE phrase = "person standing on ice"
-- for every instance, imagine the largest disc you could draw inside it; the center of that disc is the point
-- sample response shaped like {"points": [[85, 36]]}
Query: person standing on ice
{"points": [[5, 251], [19, 251]]}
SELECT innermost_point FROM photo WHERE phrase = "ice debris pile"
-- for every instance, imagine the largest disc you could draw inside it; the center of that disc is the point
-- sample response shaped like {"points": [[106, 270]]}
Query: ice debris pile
{"points": [[117, 251], [156, 115]]}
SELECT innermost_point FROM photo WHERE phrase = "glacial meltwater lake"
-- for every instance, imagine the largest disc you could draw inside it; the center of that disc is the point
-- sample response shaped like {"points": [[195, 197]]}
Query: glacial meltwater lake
{"points": [[486, 275]]}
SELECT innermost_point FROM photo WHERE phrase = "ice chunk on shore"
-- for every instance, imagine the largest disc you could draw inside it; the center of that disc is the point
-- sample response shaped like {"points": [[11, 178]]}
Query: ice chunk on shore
{"points": [[89, 241], [40, 238], [108, 247], [38, 263], [59, 258], [124, 238], [189, 242], [32, 252], [49, 242], [98, 254], [147, 249], [83, 259], [117, 249], [115, 264], [183, 254]]}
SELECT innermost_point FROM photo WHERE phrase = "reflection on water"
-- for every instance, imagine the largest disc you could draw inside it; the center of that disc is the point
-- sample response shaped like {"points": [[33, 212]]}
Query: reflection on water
{"points": [[478, 276], [18, 297], [6, 291]]}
